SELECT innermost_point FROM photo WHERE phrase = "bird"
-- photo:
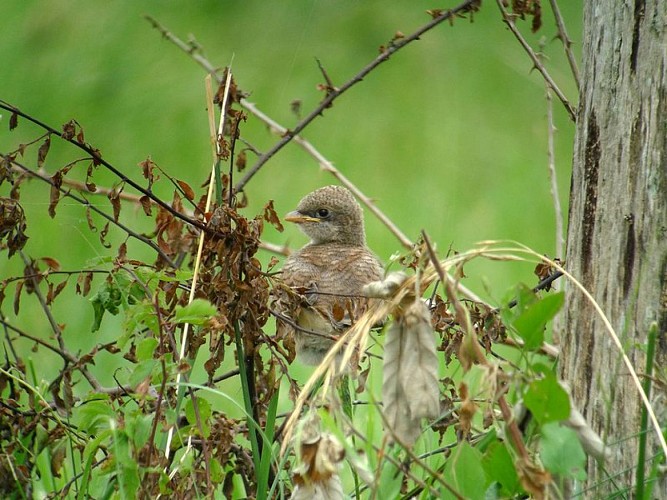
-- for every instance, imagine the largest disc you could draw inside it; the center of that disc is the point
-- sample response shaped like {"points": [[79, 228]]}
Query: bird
{"points": [[329, 272]]}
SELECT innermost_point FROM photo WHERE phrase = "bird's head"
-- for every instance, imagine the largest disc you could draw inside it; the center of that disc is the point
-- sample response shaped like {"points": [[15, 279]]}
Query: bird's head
{"points": [[330, 215]]}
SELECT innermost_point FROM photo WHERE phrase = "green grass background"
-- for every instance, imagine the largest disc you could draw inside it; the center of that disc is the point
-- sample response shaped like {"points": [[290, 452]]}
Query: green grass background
{"points": [[449, 136]]}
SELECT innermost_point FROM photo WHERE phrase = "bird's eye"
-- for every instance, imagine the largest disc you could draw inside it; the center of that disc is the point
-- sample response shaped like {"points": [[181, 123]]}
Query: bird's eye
{"points": [[323, 213]]}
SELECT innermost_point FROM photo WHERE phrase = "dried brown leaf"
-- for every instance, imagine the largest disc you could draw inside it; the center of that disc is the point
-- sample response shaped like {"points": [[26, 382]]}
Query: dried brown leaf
{"points": [[90, 185], [83, 283], [147, 170], [241, 160], [43, 151], [103, 236], [271, 216], [97, 156], [361, 380], [466, 411], [69, 130], [89, 219], [13, 121], [187, 190], [17, 296], [54, 196], [146, 205], [533, 479], [53, 292], [122, 252], [52, 263], [114, 198], [58, 455]]}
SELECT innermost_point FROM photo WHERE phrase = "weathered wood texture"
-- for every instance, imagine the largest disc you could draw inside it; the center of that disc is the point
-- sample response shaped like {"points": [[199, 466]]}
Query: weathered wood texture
{"points": [[617, 235]]}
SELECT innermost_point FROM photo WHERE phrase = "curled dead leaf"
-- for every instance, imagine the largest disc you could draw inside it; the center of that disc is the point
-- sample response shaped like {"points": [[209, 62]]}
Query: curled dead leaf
{"points": [[319, 455], [410, 389]]}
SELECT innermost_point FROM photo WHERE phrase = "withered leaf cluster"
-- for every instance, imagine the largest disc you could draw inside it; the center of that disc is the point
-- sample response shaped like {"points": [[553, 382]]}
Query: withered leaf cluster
{"points": [[12, 225], [319, 455], [531, 8]]}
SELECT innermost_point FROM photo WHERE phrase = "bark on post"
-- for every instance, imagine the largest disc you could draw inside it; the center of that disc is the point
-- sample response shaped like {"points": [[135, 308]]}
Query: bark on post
{"points": [[617, 236]]}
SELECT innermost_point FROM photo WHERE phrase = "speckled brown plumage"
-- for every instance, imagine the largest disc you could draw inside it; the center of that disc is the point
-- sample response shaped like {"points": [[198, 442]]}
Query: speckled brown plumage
{"points": [[330, 271]]}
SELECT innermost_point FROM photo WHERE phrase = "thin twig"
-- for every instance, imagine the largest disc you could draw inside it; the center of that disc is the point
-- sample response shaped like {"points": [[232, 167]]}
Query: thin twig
{"points": [[273, 248], [567, 43], [57, 331], [389, 50], [330, 86], [81, 186], [509, 21], [551, 129], [288, 135]]}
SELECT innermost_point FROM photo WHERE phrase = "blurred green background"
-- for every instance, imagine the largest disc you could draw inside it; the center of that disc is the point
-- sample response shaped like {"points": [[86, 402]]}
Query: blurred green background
{"points": [[449, 136]]}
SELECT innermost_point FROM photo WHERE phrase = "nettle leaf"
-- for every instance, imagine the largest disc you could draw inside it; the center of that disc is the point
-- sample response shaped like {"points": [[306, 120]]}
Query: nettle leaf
{"points": [[138, 316], [499, 466], [547, 400], [531, 322], [561, 452], [464, 472], [196, 313]]}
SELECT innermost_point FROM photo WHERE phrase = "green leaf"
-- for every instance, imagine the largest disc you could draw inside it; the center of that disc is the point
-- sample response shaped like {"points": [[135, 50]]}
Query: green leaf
{"points": [[561, 452], [464, 472], [499, 466], [547, 399], [138, 316], [107, 298], [142, 371], [139, 428], [204, 408], [196, 313], [146, 348], [391, 479], [127, 470], [95, 416], [217, 472], [89, 456], [531, 322]]}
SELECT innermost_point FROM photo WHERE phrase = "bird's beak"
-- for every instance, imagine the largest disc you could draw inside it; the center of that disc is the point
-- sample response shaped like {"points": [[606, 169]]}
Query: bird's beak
{"points": [[299, 218]]}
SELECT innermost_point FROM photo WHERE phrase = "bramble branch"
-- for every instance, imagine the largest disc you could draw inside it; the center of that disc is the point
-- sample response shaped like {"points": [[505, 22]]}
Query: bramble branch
{"points": [[509, 21], [91, 206], [96, 157]]}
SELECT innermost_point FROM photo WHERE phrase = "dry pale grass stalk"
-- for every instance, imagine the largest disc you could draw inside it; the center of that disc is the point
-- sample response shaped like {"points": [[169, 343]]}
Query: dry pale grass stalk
{"points": [[209, 201], [551, 150]]}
